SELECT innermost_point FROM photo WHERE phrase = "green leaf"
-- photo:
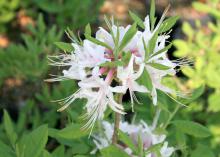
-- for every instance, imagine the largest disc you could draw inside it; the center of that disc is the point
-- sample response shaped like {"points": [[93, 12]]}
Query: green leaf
{"points": [[32, 144], [145, 80], [188, 30], [195, 95], [67, 47], [126, 57], [108, 23], [152, 13], [207, 9], [128, 36], [72, 36], [168, 24], [96, 41], [202, 151], [159, 66], [180, 138], [46, 154], [77, 148], [88, 30], [137, 19], [162, 50], [8, 126], [192, 128], [59, 151], [154, 148], [152, 43], [113, 151], [41, 24], [201, 7], [73, 131], [145, 50], [6, 151], [214, 102], [113, 64], [127, 141]]}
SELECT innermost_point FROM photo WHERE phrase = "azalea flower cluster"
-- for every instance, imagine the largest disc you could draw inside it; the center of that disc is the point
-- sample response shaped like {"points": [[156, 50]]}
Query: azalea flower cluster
{"points": [[124, 57], [135, 132]]}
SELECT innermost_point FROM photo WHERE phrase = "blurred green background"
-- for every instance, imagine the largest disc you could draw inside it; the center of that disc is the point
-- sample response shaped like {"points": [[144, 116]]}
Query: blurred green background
{"points": [[28, 30]]}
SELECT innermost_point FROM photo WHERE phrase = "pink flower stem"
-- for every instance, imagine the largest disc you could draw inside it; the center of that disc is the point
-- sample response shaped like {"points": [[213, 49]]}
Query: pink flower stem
{"points": [[102, 70], [110, 76]]}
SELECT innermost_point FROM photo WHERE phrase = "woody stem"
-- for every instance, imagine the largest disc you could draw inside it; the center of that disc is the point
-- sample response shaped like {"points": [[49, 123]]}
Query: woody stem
{"points": [[117, 122]]}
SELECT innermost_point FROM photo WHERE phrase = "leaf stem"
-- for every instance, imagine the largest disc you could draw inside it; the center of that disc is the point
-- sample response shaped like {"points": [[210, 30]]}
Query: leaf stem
{"points": [[156, 118], [117, 122], [171, 116]]}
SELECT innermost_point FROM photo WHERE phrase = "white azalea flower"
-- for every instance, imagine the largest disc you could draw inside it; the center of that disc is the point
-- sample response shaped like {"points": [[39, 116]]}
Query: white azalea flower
{"points": [[99, 95], [128, 77], [149, 138], [95, 67], [100, 98], [90, 54], [156, 75]]}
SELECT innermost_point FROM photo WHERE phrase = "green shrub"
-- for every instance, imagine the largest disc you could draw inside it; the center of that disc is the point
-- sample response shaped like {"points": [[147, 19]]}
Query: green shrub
{"points": [[203, 48]]}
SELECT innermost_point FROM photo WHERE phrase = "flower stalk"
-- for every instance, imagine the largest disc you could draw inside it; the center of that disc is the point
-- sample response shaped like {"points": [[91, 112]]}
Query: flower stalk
{"points": [[117, 122]]}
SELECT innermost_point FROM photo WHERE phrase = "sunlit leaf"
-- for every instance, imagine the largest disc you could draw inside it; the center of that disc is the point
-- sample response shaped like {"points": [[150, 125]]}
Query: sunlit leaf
{"points": [[137, 19], [162, 50], [192, 128], [128, 36], [168, 24], [67, 47], [9, 128], [33, 144], [159, 66], [113, 151], [145, 80]]}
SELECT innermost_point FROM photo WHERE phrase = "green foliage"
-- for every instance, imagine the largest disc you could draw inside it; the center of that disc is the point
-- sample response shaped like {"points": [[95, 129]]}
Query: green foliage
{"points": [[72, 13], [29, 61], [66, 47], [168, 24], [145, 80], [6, 151], [73, 131], [202, 150], [128, 36], [203, 49], [7, 12], [192, 128], [27, 145], [137, 19], [113, 151], [8, 125]]}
